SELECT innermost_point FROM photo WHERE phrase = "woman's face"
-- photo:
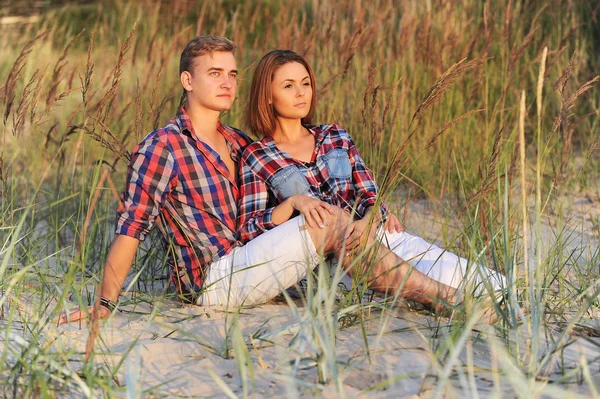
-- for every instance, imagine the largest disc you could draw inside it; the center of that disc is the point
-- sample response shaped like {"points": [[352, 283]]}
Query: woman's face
{"points": [[291, 91]]}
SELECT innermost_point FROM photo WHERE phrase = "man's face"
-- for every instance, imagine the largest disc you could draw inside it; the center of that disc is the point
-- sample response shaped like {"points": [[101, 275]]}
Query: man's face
{"points": [[213, 82]]}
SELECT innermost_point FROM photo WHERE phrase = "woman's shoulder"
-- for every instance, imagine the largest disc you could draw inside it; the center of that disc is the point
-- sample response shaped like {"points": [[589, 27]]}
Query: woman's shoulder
{"points": [[255, 149], [332, 131]]}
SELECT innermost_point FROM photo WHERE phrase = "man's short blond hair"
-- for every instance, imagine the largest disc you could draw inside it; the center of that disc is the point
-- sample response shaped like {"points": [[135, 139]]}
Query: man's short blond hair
{"points": [[201, 45]]}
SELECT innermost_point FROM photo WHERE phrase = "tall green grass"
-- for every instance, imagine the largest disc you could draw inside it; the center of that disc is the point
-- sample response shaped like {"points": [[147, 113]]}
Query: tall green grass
{"points": [[488, 110]]}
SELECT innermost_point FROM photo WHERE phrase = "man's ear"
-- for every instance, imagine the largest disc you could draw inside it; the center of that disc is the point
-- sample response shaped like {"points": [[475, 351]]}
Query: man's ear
{"points": [[186, 80]]}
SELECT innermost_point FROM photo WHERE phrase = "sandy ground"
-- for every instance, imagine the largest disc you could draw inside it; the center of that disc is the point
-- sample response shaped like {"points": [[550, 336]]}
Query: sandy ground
{"points": [[172, 349]]}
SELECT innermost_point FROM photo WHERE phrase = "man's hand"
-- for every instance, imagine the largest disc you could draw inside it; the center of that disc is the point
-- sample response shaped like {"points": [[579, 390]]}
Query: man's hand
{"points": [[317, 213], [118, 262], [80, 314], [392, 224]]}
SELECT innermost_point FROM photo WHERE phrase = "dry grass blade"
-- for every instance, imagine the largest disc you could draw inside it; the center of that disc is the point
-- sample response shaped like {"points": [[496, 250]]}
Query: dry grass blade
{"points": [[51, 97], [14, 74], [95, 326], [516, 54], [561, 83], [585, 87], [34, 99], [388, 104], [24, 104], [522, 112], [103, 106], [370, 82], [163, 62], [374, 109], [443, 84], [106, 139], [3, 177], [450, 124], [139, 111], [86, 80], [489, 177], [324, 88], [593, 148]]}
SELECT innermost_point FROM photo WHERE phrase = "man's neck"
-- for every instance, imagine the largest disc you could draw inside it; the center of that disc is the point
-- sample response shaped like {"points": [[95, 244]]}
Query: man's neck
{"points": [[204, 121]]}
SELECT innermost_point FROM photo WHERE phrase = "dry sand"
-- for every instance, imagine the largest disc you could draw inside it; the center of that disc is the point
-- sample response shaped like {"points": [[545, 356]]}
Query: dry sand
{"points": [[172, 348]]}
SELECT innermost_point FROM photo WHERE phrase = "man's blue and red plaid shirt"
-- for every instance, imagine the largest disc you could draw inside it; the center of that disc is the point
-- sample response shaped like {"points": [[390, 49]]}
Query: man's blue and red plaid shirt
{"points": [[175, 176], [336, 174]]}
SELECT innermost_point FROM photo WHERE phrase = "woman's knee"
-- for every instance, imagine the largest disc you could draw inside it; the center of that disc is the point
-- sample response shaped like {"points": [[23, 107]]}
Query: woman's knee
{"points": [[327, 238]]}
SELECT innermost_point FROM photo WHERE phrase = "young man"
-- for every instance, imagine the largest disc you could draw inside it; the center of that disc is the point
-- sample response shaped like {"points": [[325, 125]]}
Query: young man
{"points": [[186, 174]]}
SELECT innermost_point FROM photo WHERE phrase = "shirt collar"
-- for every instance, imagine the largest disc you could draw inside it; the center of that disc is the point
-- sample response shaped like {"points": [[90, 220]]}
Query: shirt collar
{"points": [[233, 141]]}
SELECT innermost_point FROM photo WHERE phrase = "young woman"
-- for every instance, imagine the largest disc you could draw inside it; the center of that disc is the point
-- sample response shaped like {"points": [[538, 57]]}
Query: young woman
{"points": [[299, 167]]}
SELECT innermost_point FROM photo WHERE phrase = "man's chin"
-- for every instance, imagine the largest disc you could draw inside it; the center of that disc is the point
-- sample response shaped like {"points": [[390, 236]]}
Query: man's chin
{"points": [[222, 105]]}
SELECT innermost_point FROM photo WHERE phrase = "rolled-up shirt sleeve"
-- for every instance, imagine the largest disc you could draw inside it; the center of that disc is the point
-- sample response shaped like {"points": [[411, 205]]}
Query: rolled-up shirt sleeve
{"points": [[364, 183], [150, 175], [255, 215]]}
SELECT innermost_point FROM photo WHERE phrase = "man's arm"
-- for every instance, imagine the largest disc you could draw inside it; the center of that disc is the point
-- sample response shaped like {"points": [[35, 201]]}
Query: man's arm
{"points": [[118, 264]]}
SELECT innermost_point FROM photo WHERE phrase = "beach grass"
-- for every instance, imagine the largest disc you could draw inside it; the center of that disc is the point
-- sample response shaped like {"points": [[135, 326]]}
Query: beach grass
{"points": [[487, 111]]}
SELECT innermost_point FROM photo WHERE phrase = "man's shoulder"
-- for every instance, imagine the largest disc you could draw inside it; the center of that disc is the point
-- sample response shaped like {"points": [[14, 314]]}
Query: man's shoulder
{"points": [[240, 135], [162, 136]]}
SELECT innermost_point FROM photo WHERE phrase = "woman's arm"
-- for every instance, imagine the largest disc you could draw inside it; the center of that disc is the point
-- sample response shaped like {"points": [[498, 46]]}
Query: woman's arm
{"points": [[255, 217]]}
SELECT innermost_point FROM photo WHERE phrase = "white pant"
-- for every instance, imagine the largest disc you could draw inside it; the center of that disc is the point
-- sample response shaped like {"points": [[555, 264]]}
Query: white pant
{"points": [[443, 266], [279, 258], [261, 269]]}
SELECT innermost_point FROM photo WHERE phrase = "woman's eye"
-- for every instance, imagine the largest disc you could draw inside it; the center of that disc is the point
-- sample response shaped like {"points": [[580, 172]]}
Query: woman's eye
{"points": [[287, 86], [306, 83]]}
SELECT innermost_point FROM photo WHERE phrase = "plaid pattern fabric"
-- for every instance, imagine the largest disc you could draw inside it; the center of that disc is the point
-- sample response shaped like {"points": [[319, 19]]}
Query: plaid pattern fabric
{"points": [[175, 176], [262, 160]]}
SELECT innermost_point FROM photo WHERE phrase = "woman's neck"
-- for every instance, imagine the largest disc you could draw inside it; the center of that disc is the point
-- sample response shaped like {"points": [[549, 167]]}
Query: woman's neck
{"points": [[288, 131]]}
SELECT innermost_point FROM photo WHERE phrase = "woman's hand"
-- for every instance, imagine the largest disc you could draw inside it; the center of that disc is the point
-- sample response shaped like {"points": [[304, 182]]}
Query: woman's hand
{"points": [[80, 314], [358, 232], [392, 224], [317, 213]]}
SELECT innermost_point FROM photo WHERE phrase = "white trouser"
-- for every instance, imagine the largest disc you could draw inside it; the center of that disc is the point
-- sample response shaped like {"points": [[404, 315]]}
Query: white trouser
{"points": [[443, 266], [261, 269], [279, 258]]}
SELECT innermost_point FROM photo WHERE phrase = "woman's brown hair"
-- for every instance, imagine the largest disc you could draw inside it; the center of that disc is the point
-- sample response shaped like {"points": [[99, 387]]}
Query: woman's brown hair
{"points": [[259, 115]]}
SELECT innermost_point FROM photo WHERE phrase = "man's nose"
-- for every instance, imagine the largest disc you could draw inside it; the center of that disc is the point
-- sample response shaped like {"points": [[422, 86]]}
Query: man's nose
{"points": [[227, 83]]}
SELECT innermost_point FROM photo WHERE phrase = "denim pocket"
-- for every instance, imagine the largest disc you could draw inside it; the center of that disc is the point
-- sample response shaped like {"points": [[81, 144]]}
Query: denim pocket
{"points": [[289, 181], [338, 164]]}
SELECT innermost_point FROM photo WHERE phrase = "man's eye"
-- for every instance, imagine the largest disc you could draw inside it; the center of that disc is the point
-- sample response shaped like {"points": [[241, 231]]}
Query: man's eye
{"points": [[233, 76], [214, 73]]}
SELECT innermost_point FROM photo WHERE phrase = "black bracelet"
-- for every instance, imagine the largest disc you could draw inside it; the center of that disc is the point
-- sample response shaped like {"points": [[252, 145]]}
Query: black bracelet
{"points": [[108, 304]]}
